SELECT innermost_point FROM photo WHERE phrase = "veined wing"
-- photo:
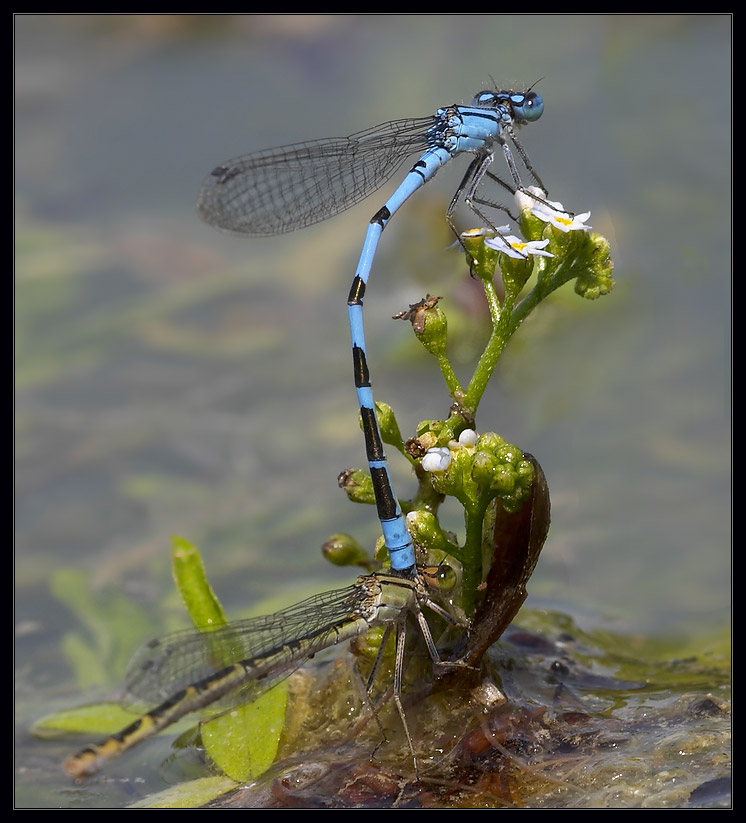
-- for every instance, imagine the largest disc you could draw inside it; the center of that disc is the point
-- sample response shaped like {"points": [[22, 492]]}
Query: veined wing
{"points": [[276, 643], [279, 190]]}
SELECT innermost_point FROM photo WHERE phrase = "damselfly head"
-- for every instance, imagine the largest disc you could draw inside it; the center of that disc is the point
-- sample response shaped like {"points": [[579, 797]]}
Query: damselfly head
{"points": [[525, 106]]}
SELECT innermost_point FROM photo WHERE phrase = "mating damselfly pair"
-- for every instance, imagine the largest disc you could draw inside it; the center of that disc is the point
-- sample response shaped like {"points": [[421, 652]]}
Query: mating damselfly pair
{"points": [[276, 191]]}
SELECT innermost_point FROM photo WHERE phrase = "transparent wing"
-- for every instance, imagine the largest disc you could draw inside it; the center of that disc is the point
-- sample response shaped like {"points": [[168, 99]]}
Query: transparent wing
{"points": [[279, 190], [276, 643]]}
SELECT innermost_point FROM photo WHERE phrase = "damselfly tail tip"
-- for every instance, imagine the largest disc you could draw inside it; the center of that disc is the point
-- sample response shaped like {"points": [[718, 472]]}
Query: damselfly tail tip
{"points": [[82, 764]]}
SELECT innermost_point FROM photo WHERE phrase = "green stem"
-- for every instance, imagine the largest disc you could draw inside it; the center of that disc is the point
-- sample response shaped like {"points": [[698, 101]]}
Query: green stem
{"points": [[495, 345], [566, 270], [543, 287], [471, 560], [454, 386]]}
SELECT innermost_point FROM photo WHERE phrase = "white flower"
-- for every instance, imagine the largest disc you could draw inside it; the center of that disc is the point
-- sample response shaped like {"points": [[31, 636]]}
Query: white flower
{"points": [[468, 437], [485, 232], [525, 201], [550, 211], [515, 247], [437, 459], [554, 213]]}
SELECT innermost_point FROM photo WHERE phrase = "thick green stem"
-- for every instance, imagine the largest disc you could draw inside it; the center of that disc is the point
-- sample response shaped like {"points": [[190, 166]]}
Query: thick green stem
{"points": [[472, 558]]}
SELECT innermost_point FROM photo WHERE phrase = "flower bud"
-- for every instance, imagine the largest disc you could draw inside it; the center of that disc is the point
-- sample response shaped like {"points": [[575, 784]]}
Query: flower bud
{"points": [[344, 550]]}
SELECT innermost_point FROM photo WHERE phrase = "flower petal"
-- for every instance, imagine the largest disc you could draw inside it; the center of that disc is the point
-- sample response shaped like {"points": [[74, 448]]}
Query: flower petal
{"points": [[436, 460], [552, 211]]}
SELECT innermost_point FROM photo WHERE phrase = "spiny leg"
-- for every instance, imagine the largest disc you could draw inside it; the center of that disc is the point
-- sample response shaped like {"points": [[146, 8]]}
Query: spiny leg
{"points": [[526, 162], [396, 689], [478, 170], [401, 636]]}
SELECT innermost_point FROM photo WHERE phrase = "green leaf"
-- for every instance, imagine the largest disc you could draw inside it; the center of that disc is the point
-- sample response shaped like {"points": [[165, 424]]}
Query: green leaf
{"points": [[243, 743], [200, 600], [189, 795], [97, 718]]}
